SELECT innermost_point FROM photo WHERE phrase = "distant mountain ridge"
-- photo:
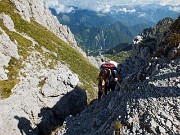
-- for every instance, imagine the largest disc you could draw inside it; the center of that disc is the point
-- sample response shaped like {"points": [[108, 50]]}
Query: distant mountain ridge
{"points": [[96, 31], [99, 31]]}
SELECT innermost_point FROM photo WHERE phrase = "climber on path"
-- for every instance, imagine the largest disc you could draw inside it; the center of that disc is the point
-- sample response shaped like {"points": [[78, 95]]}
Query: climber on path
{"points": [[108, 78]]}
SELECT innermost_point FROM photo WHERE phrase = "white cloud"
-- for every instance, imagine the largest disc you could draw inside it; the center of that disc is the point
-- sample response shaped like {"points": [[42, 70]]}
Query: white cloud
{"points": [[63, 9], [137, 2], [142, 15], [104, 5], [176, 9], [106, 9], [58, 6], [51, 3], [170, 2], [127, 10]]}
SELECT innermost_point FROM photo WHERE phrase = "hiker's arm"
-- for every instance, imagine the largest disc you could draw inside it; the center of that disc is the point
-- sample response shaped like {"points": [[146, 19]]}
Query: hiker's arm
{"points": [[117, 77]]}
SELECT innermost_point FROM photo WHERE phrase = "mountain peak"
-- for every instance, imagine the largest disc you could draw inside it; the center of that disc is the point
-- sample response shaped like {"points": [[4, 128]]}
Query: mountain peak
{"points": [[165, 21]]}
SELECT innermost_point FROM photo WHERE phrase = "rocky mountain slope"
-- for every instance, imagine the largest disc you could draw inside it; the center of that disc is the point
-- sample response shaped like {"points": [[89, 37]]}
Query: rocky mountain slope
{"points": [[147, 101], [41, 70]]}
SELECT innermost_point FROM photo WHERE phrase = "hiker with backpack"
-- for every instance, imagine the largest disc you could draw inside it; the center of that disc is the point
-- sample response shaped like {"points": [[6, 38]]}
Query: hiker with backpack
{"points": [[108, 78]]}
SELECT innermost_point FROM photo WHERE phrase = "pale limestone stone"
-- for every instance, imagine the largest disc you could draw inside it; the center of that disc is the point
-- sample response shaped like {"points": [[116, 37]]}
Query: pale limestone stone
{"points": [[8, 49], [7, 22]]}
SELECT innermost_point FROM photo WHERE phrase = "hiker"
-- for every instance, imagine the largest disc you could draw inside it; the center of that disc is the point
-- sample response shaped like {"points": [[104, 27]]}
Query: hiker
{"points": [[108, 77]]}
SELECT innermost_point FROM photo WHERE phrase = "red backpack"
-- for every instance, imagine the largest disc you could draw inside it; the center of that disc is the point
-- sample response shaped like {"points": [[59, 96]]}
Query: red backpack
{"points": [[108, 65]]}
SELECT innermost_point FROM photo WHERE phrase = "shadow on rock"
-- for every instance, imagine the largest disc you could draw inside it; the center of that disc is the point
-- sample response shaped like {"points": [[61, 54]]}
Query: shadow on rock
{"points": [[24, 126], [70, 104]]}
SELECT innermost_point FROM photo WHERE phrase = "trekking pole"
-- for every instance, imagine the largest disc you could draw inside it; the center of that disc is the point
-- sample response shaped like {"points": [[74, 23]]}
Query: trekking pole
{"points": [[118, 85]]}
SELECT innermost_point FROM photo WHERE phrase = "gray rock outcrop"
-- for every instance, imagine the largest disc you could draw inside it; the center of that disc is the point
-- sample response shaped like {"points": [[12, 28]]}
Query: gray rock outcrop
{"points": [[8, 49], [7, 22], [38, 97], [36, 9]]}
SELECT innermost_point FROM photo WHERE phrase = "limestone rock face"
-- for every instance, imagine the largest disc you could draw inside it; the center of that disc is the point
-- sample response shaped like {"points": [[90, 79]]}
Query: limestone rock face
{"points": [[59, 79], [8, 49], [36, 9], [7, 22]]}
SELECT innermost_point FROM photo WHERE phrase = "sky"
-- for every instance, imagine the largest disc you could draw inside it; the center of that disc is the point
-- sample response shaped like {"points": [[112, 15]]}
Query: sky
{"points": [[102, 5]]}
